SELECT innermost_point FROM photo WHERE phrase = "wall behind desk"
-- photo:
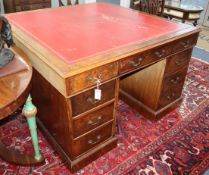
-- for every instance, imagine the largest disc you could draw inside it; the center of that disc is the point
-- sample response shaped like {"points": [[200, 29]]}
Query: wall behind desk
{"points": [[110, 1], [1, 7], [124, 3]]}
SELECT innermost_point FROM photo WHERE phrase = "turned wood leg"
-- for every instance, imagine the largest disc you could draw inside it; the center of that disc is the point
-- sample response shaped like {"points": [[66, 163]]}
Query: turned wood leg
{"points": [[13, 156], [30, 111]]}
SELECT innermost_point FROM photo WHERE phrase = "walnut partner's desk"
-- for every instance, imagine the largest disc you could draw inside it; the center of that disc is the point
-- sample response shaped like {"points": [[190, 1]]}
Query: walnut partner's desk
{"points": [[73, 47]]}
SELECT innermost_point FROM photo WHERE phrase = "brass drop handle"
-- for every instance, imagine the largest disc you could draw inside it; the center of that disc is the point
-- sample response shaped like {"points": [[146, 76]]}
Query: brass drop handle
{"points": [[92, 100], [97, 121], [175, 80], [89, 78], [91, 142], [169, 97], [100, 75], [160, 54], [135, 63], [185, 44]]}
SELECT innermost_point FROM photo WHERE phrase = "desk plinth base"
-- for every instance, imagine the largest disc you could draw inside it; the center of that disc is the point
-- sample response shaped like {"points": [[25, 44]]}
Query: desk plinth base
{"points": [[145, 110]]}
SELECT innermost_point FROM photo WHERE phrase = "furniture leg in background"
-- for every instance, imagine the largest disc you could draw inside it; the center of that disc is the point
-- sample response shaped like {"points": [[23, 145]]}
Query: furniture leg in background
{"points": [[176, 9]]}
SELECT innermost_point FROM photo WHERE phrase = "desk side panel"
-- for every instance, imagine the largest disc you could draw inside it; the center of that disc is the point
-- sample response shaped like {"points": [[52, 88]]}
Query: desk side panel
{"points": [[54, 111], [42, 67]]}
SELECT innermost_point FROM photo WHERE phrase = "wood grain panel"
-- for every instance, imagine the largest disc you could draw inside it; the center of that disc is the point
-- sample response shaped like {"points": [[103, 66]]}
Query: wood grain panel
{"points": [[89, 78], [142, 59], [15, 88], [148, 83], [91, 140], [86, 101], [172, 87], [177, 61], [90, 121], [184, 43], [53, 110]]}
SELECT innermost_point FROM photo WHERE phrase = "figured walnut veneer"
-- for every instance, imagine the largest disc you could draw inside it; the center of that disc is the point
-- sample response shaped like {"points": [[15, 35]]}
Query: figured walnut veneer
{"points": [[146, 62]]}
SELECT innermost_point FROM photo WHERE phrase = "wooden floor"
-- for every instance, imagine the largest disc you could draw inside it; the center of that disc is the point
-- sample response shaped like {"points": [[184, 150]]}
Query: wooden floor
{"points": [[201, 50], [203, 40]]}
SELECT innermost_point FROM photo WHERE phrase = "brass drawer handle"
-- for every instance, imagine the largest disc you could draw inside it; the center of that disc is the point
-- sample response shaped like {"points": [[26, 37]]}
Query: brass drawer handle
{"points": [[175, 80], [172, 96], [100, 75], [185, 44], [135, 63], [160, 54], [91, 142], [91, 78], [92, 100], [96, 122]]}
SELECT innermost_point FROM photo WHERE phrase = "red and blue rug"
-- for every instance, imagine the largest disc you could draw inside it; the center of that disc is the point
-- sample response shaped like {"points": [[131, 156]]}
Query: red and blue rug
{"points": [[177, 144]]}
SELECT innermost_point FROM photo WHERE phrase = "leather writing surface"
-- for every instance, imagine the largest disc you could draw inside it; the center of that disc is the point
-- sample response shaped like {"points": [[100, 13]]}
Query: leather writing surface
{"points": [[78, 32]]}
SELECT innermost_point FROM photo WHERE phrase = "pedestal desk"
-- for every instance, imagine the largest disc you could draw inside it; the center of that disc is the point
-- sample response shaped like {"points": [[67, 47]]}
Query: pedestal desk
{"points": [[77, 50]]}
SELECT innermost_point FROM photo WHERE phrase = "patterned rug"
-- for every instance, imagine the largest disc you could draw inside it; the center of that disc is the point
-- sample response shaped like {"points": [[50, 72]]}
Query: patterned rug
{"points": [[176, 144]]}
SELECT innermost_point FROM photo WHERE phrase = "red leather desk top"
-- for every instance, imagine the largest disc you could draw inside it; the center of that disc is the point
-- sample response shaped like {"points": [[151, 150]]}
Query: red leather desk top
{"points": [[78, 32]]}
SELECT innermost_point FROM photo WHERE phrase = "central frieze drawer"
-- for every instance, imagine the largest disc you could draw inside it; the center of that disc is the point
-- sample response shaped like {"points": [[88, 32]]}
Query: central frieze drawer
{"points": [[90, 78], [85, 101], [90, 121], [144, 58], [91, 140]]}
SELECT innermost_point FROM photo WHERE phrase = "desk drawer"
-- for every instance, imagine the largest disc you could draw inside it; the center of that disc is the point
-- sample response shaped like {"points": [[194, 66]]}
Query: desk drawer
{"points": [[178, 61], [89, 78], [170, 96], [172, 87], [85, 101], [91, 140], [144, 58], [184, 43], [90, 121]]}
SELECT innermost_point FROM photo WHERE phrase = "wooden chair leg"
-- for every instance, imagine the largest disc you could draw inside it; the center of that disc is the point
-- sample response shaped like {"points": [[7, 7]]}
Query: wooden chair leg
{"points": [[30, 111]]}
